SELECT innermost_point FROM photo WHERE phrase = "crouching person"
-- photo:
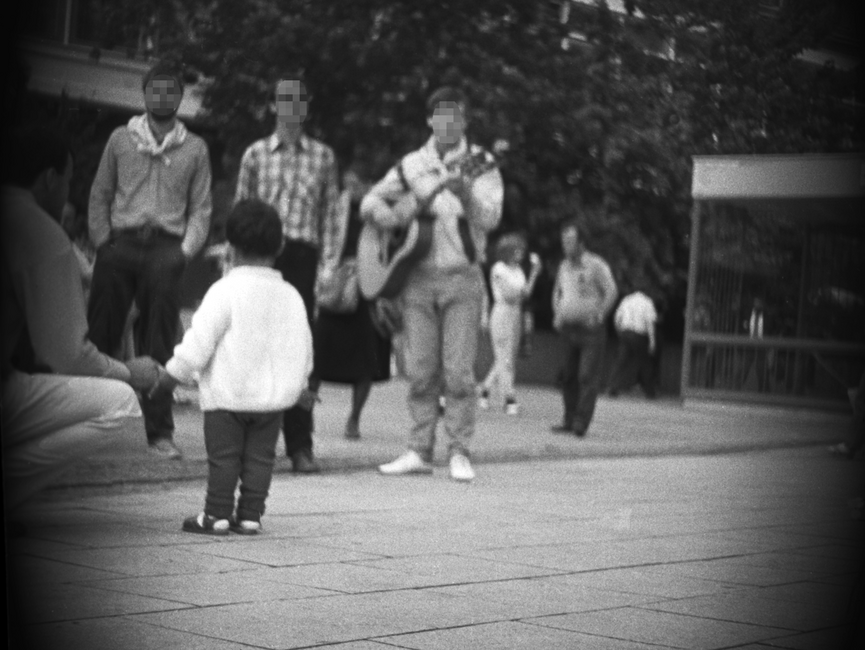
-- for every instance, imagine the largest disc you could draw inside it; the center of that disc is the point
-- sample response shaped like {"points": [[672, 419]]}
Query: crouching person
{"points": [[62, 399], [250, 349]]}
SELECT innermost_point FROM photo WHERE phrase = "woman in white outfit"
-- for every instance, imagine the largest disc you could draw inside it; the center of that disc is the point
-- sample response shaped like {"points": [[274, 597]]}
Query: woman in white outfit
{"points": [[510, 288]]}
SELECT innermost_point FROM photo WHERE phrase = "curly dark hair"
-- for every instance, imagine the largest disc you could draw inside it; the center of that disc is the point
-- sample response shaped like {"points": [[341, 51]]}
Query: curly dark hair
{"points": [[254, 228]]}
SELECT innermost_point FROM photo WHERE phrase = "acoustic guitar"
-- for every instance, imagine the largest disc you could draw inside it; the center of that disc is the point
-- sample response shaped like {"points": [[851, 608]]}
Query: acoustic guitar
{"points": [[386, 255]]}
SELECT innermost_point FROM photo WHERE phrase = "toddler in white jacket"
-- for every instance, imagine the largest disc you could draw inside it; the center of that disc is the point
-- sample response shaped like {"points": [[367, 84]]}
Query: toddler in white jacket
{"points": [[250, 349]]}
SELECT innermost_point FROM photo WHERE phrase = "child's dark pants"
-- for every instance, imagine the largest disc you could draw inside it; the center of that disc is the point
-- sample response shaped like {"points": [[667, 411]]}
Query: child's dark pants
{"points": [[239, 446]]}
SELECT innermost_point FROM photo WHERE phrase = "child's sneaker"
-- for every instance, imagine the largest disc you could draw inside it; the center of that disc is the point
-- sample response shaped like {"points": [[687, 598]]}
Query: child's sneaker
{"points": [[244, 526], [205, 524], [484, 400], [511, 407]]}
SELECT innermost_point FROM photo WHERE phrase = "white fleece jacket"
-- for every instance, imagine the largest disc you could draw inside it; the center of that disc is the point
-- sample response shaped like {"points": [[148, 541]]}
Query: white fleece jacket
{"points": [[249, 346]]}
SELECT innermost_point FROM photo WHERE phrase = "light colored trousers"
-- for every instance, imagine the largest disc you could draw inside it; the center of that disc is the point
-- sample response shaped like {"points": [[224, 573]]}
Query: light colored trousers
{"points": [[505, 329], [50, 421], [441, 315]]}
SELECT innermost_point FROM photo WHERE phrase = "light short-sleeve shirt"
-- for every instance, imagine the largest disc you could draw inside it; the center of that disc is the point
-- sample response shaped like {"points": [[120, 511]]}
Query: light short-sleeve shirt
{"points": [[636, 313]]}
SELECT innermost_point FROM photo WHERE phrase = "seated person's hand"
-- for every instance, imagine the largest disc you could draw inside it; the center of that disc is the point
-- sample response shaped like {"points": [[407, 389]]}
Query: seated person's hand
{"points": [[165, 383], [144, 373], [307, 399]]}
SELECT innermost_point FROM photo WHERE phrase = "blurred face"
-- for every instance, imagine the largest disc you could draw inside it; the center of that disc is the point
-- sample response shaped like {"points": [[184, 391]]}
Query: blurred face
{"points": [[570, 242], [517, 255], [162, 97], [448, 123], [57, 190], [291, 102]]}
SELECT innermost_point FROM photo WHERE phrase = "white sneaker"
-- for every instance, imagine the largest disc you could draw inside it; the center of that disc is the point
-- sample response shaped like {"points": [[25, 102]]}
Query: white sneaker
{"points": [[244, 526], [483, 402], [461, 468], [512, 408], [409, 463]]}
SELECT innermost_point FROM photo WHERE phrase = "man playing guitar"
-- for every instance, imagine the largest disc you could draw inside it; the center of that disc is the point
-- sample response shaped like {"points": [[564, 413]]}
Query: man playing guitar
{"points": [[443, 293]]}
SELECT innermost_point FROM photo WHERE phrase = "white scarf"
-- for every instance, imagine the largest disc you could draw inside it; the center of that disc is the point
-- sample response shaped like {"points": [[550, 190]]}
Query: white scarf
{"points": [[146, 142]]}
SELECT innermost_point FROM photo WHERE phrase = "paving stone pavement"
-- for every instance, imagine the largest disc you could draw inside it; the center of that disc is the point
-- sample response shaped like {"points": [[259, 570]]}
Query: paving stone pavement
{"points": [[627, 426], [755, 550]]}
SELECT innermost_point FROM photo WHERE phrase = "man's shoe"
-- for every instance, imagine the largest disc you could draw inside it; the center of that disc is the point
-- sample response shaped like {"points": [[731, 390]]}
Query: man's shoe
{"points": [[352, 430], [512, 408], [409, 463], [165, 448], [206, 525], [303, 462], [461, 468], [244, 526], [484, 400]]}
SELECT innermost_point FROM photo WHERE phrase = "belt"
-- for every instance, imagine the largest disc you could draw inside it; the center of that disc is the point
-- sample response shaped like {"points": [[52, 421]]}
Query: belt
{"points": [[144, 233]]}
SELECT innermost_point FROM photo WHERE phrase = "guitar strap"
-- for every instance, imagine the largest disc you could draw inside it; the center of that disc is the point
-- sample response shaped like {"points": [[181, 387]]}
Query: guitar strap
{"points": [[401, 172], [466, 233], [466, 238]]}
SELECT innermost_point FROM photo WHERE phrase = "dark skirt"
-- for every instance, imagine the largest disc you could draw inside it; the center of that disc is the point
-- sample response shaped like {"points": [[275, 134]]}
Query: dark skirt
{"points": [[349, 349]]}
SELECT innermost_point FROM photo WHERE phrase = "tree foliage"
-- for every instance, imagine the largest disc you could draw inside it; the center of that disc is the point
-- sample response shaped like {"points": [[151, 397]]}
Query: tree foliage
{"points": [[602, 110]]}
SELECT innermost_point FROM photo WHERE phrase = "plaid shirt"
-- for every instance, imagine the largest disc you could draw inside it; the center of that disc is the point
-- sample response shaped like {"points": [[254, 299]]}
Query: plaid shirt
{"points": [[300, 181]]}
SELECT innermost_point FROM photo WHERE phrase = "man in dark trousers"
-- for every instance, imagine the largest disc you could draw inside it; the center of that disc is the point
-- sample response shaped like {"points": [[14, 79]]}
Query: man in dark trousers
{"points": [[584, 294], [297, 175], [149, 215]]}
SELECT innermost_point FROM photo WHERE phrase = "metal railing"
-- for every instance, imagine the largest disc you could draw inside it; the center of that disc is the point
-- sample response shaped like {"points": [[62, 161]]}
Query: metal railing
{"points": [[775, 370], [775, 305]]}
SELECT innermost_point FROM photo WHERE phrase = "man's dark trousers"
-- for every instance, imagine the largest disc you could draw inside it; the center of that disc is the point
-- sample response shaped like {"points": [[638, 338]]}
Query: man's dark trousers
{"points": [[634, 363], [144, 265], [298, 263], [581, 379]]}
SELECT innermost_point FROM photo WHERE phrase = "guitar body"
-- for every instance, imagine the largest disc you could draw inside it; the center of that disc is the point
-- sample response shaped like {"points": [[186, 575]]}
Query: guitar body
{"points": [[385, 257]]}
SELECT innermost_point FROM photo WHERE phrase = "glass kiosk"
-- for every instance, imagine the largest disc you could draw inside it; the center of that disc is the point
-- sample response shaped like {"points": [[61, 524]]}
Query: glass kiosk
{"points": [[776, 281]]}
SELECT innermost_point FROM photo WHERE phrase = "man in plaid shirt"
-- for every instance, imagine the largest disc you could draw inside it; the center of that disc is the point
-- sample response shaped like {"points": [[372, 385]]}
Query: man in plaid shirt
{"points": [[297, 175]]}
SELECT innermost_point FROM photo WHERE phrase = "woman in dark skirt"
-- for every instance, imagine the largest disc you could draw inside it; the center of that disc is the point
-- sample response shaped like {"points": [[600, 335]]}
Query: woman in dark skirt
{"points": [[351, 348]]}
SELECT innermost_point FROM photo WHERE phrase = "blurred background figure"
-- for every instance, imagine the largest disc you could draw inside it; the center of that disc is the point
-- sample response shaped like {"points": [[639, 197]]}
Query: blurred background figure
{"points": [[84, 252], [349, 347], [756, 357], [853, 445], [635, 321], [583, 297], [510, 289]]}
